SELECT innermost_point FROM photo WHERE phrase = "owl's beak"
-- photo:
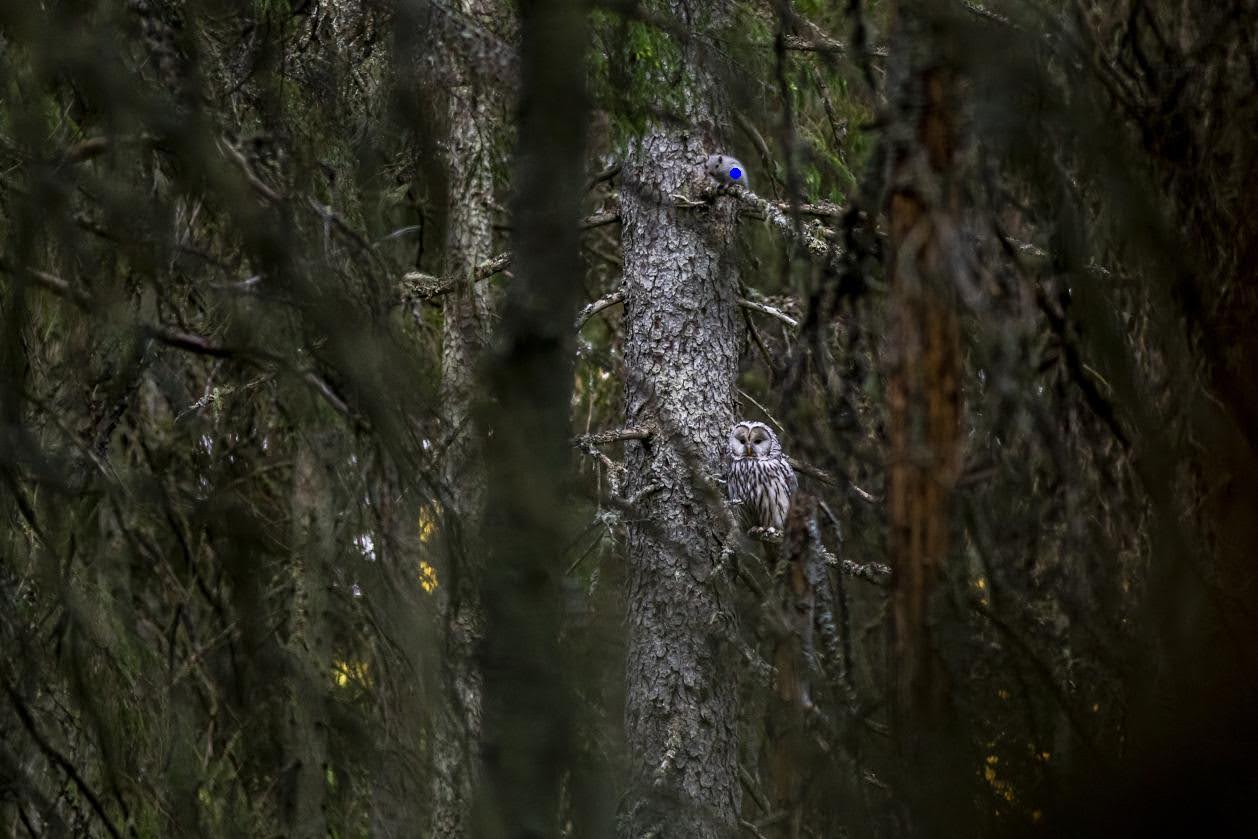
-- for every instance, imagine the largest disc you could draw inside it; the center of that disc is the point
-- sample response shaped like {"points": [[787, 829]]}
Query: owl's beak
{"points": [[751, 452]]}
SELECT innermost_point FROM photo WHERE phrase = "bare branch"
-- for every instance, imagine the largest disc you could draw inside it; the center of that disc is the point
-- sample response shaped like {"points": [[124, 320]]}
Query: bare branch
{"points": [[768, 310], [987, 14], [60, 761], [419, 286], [874, 572], [826, 478], [618, 296], [763, 409], [615, 435], [599, 305], [770, 210], [817, 209], [605, 175], [233, 154], [798, 43], [600, 219], [53, 283]]}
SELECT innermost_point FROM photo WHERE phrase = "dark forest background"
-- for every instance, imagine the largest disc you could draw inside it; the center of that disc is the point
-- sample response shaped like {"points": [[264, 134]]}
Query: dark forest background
{"points": [[365, 369]]}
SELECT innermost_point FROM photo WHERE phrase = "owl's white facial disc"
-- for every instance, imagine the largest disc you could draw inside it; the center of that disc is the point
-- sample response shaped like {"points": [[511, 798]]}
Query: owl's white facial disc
{"points": [[751, 440]]}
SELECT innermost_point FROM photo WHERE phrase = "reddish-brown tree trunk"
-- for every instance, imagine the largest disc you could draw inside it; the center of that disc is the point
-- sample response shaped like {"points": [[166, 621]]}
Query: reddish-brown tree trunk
{"points": [[923, 385]]}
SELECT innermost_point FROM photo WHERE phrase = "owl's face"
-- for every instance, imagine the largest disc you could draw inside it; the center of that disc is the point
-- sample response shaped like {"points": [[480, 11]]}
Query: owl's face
{"points": [[753, 440]]}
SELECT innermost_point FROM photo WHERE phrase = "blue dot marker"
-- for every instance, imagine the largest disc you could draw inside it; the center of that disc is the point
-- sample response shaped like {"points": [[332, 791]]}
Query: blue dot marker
{"points": [[735, 173]]}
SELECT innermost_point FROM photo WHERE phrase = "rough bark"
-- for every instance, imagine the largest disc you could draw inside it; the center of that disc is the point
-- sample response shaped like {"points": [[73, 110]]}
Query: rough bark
{"points": [[472, 116], [681, 354]]}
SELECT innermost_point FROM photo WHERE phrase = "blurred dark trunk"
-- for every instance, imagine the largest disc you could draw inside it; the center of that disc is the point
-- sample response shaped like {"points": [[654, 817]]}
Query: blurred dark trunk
{"points": [[527, 715], [787, 758], [924, 361], [1182, 87], [309, 647], [923, 384]]}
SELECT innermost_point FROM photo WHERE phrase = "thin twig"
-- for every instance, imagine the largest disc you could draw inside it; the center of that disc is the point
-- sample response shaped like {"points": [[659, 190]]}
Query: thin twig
{"points": [[749, 784], [769, 310], [56, 285], [763, 409], [254, 181], [599, 305], [417, 285], [826, 478]]}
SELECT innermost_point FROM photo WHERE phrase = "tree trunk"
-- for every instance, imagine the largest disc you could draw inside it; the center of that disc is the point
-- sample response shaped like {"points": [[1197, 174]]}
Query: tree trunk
{"points": [[528, 720], [466, 311], [923, 388], [309, 647], [681, 356], [924, 413], [785, 721]]}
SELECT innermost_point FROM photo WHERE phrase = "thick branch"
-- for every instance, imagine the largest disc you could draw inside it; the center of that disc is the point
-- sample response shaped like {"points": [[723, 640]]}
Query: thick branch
{"points": [[874, 572], [606, 175], [614, 435], [419, 286], [771, 211]]}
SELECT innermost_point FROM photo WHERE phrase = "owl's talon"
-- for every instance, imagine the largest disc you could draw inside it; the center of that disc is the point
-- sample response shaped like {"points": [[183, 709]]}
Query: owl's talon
{"points": [[766, 534]]}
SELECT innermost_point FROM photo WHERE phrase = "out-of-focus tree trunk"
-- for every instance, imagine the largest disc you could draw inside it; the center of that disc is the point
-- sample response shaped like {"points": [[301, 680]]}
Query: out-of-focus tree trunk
{"points": [[923, 375], [527, 732], [471, 119], [786, 737], [1196, 450], [309, 646], [681, 355]]}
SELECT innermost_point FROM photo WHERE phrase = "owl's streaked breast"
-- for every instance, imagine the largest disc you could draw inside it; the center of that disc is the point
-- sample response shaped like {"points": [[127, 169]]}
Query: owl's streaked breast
{"points": [[764, 486]]}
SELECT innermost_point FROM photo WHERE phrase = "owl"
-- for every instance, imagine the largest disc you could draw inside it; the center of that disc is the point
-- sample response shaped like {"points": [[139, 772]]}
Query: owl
{"points": [[760, 477]]}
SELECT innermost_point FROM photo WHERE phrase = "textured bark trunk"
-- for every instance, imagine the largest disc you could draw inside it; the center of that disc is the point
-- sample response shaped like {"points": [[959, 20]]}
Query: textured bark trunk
{"points": [[465, 326], [681, 355]]}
